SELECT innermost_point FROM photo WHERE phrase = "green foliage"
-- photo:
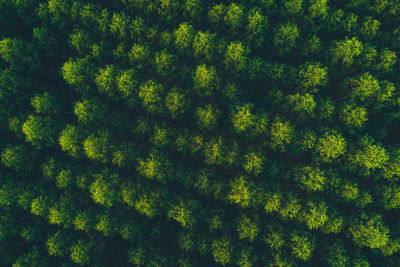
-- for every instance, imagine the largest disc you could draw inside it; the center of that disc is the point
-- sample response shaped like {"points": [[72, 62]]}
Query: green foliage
{"points": [[234, 16], [281, 133], [14, 157], [286, 36], [311, 178], [153, 167], [88, 111], [302, 103], [331, 146], [96, 147], [151, 95], [208, 116], [56, 245], [183, 214], [80, 252], [386, 60], [176, 102], [242, 119], [205, 80], [365, 86], [318, 8], [204, 44], [247, 229], [70, 141], [199, 133], [312, 76], [302, 246], [253, 163], [222, 251], [337, 255], [315, 215], [293, 7], [241, 192], [354, 116], [39, 130], [184, 36], [235, 56], [370, 157], [369, 232], [44, 104], [127, 83], [345, 51], [102, 190]]}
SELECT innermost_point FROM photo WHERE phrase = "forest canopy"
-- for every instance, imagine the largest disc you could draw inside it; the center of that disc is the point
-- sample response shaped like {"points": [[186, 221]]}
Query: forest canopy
{"points": [[199, 133]]}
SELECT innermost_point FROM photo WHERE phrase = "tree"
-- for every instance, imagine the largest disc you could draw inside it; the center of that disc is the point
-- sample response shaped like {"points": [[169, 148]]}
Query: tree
{"points": [[90, 111], [291, 208], [208, 116], [119, 25], [253, 164], [139, 55], [204, 44], [75, 71], [302, 246], [318, 8], [369, 232], [106, 81], [83, 221], [281, 134], [235, 56], [242, 118], [96, 147], [273, 202], [183, 213], [293, 7], [151, 94], [364, 87], [176, 102], [387, 60], [222, 250], [286, 36], [80, 252], [234, 17], [147, 204], [14, 157], [331, 146], [312, 76], [64, 178], [39, 130], [184, 36], [310, 178], [315, 215], [302, 104], [56, 245], [127, 83], [354, 116], [164, 63], [103, 189], [370, 157], [205, 80], [256, 26], [370, 27], [44, 104], [106, 224], [154, 167], [247, 228], [216, 14], [70, 141], [337, 255], [241, 192], [345, 51]]}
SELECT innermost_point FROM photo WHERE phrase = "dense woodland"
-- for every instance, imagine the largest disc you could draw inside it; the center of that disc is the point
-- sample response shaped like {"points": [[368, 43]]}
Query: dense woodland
{"points": [[199, 133]]}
